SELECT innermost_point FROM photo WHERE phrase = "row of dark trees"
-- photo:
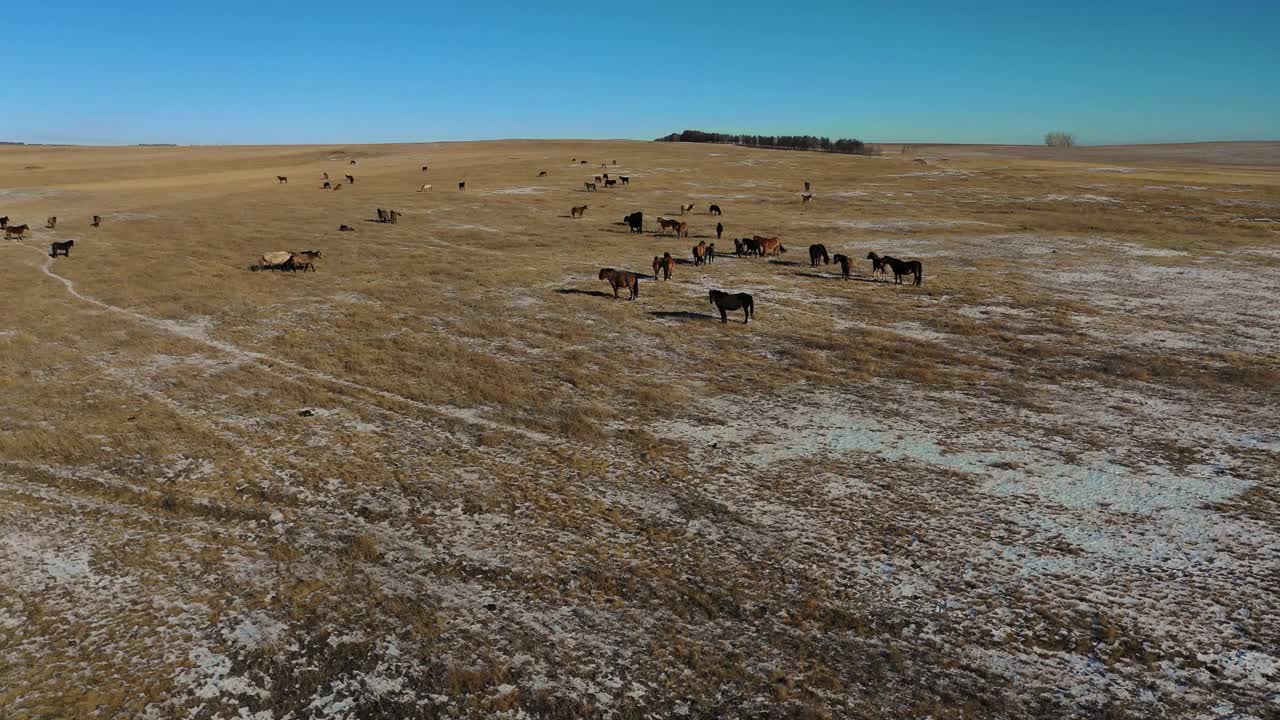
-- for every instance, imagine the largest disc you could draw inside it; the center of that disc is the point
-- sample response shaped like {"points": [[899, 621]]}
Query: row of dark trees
{"points": [[848, 146]]}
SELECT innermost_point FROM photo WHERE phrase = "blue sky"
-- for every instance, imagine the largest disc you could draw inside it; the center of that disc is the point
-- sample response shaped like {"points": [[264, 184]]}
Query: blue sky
{"points": [[262, 72]]}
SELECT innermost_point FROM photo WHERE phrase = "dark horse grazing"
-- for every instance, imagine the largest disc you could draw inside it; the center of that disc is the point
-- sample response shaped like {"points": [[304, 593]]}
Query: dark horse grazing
{"points": [[877, 263], [904, 267], [816, 253], [733, 301], [462, 185], [625, 180], [424, 168], [282, 180], [666, 264], [542, 174], [61, 247], [351, 180], [635, 221], [713, 210], [622, 279], [843, 262]]}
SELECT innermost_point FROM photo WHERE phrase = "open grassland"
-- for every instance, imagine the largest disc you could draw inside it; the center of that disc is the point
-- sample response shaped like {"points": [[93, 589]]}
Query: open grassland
{"points": [[448, 475]]}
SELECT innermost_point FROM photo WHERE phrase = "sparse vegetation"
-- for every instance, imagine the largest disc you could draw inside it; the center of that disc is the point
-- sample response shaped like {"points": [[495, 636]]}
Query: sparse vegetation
{"points": [[1059, 139]]}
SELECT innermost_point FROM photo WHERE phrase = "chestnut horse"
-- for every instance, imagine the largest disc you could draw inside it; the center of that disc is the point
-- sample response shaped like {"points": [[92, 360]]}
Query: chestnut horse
{"points": [[577, 211], [666, 264], [904, 267], [732, 301], [622, 279], [18, 230], [51, 222], [699, 253], [816, 253], [682, 230], [769, 246]]}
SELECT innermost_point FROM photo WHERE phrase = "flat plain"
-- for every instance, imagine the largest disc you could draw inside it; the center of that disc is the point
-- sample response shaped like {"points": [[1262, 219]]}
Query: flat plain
{"points": [[449, 475]]}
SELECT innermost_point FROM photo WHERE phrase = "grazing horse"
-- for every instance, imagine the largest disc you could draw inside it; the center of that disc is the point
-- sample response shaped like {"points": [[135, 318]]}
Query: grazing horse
{"points": [[805, 199], [337, 187], [4, 222], [353, 162], [769, 246], [664, 225], [16, 230], [584, 162], [682, 230], [686, 208], [877, 263], [622, 279], [713, 210], [578, 211], [351, 180], [425, 188], [605, 175], [610, 183], [393, 216], [843, 262], [51, 222], [666, 264], [61, 247], [746, 246], [732, 301], [97, 221], [282, 180], [304, 260], [719, 230], [462, 185], [635, 221], [816, 253], [711, 253], [424, 168], [542, 174], [382, 215], [904, 267], [591, 187], [699, 253], [598, 179], [346, 228], [326, 186], [625, 180]]}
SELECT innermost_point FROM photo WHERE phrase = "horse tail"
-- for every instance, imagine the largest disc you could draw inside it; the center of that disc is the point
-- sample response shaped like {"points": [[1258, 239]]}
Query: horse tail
{"points": [[751, 307], [781, 249], [635, 293], [919, 273]]}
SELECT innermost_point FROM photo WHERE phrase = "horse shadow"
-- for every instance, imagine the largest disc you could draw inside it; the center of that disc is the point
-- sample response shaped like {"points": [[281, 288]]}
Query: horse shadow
{"points": [[681, 315], [857, 278], [788, 263], [575, 291]]}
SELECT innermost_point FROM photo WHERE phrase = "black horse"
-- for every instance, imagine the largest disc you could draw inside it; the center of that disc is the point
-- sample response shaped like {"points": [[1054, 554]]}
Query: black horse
{"points": [[713, 210], [843, 262], [61, 247], [719, 230], [635, 221], [816, 253], [733, 301], [904, 267]]}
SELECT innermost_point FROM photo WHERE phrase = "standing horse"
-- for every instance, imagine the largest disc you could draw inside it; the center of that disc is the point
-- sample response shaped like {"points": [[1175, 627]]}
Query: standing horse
{"points": [[424, 168], [282, 180], [699, 253], [462, 185], [768, 246], [711, 253], [686, 208], [733, 301], [577, 211], [351, 180], [61, 247], [635, 221], [16, 230], [904, 267], [843, 262], [622, 279], [51, 222], [682, 230], [326, 186], [877, 263], [666, 264], [719, 230], [97, 221], [4, 222], [805, 199], [625, 180], [816, 253], [591, 187]]}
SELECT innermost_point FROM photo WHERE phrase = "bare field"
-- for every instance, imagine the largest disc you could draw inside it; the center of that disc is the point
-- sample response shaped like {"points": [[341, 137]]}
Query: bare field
{"points": [[449, 475]]}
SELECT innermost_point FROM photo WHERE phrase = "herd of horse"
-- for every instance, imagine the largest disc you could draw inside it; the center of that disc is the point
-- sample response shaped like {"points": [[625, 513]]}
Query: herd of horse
{"points": [[18, 232]]}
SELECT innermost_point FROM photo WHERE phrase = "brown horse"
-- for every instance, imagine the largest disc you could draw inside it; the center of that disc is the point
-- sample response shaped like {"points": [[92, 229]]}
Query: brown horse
{"points": [[686, 208], [711, 253], [877, 263], [816, 253], [51, 222], [346, 228], [4, 222], [622, 279], [843, 262], [699, 253], [326, 186], [353, 162], [733, 301], [97, 221], [542, 174], [303, 261], [746, 246], [351, 180], [666, 264], [904, 267], [610, 183], [769, 246], [664, 225], [282, 180], [598, 179], [337, 187], [61, 247], [16, 230], [591, 187], [577, 211]]}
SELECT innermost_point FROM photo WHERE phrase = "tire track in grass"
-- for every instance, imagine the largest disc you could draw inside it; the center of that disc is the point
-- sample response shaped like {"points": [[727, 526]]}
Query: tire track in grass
{"points": [[268, 362]]}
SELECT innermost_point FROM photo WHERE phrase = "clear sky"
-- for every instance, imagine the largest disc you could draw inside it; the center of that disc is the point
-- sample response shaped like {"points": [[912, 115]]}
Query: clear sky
{"points": [[218, 72]]}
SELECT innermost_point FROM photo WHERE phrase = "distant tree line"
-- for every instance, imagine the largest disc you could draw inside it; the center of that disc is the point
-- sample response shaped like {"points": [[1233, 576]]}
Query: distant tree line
{"points": [[848, 146]]}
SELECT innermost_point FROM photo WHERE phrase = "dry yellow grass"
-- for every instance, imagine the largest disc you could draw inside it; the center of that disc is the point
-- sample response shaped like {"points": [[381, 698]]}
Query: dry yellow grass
{"points": [[448, 475]]}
